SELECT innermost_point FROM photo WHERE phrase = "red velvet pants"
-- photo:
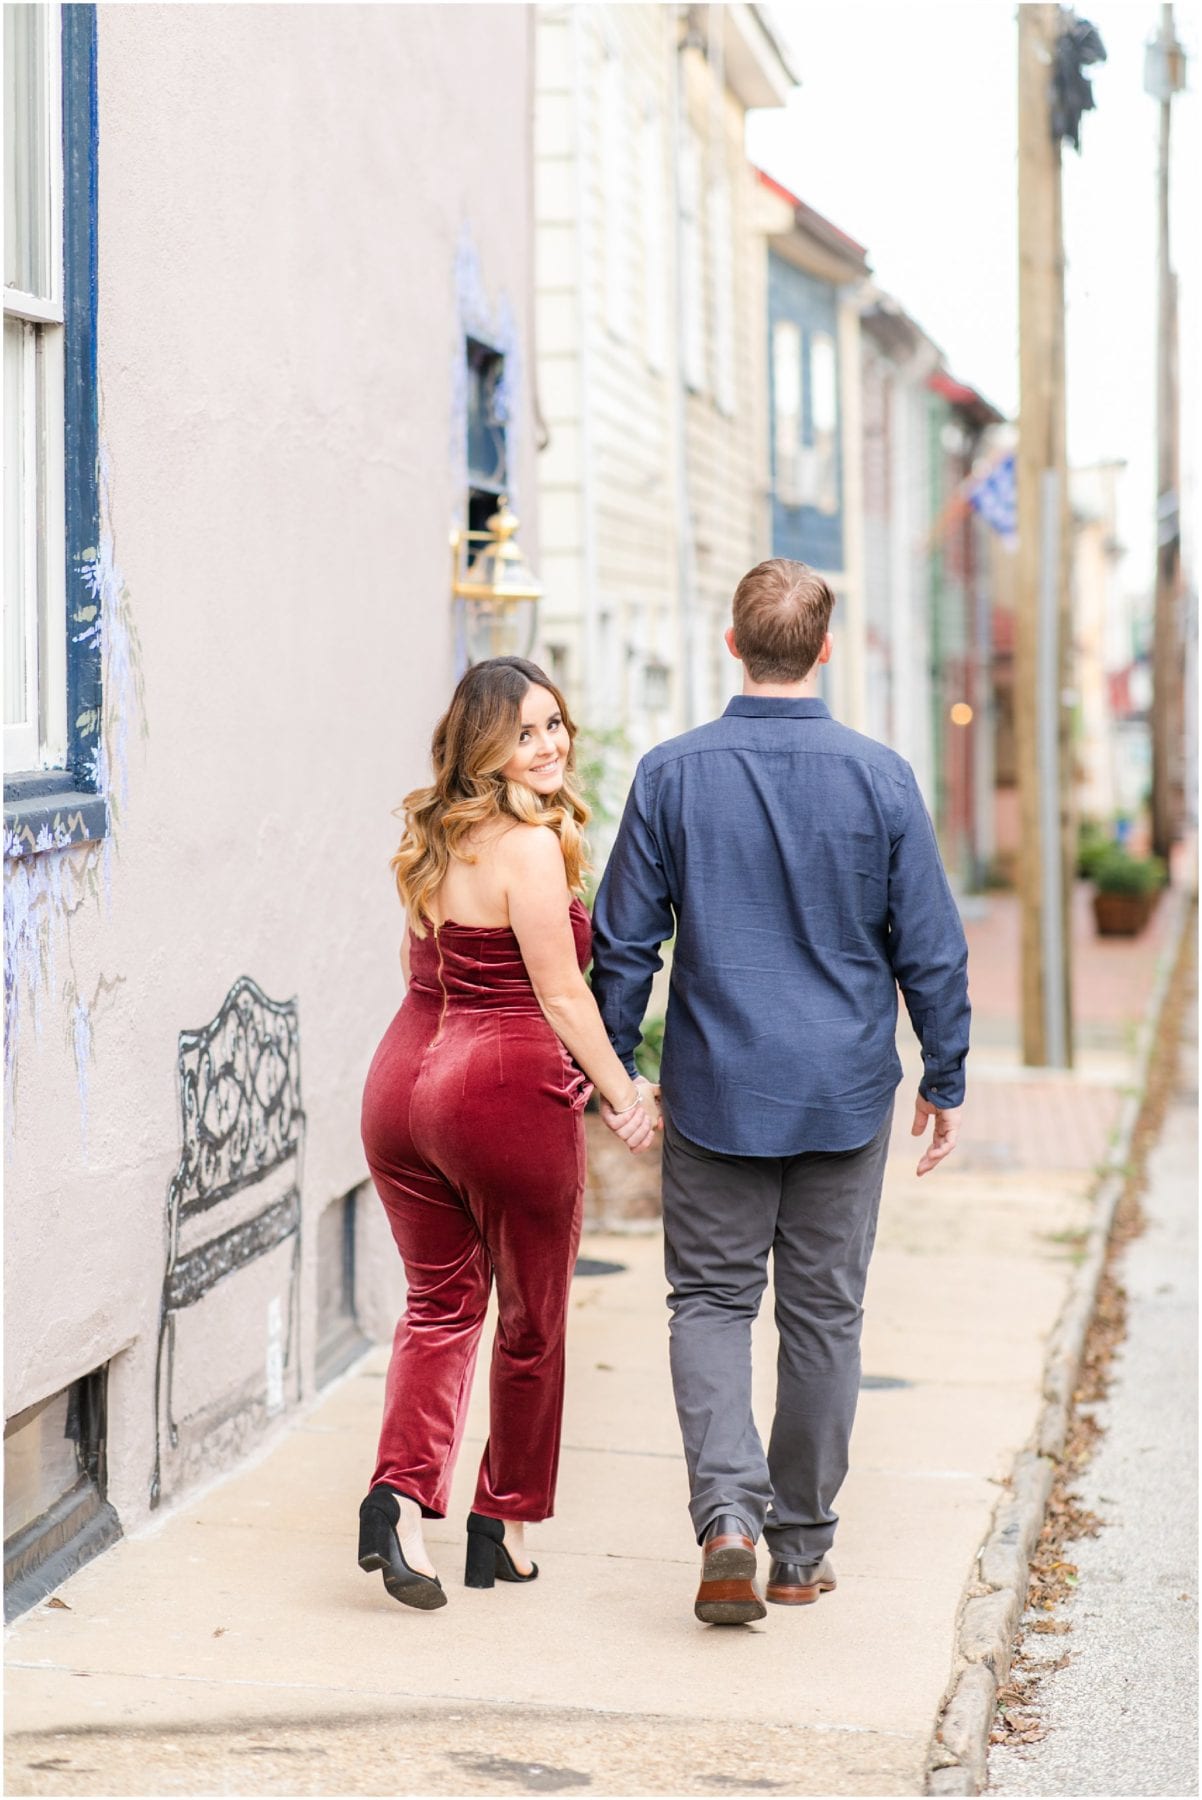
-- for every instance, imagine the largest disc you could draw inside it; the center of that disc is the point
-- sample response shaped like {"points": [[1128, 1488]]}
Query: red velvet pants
{"points": [[475, 1140]]}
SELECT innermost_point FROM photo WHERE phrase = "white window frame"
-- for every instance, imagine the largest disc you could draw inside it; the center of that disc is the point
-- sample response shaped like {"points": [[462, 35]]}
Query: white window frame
{"points": [[655, 284], [692, 259], [40, 740], [722, 260], [615, 144]]}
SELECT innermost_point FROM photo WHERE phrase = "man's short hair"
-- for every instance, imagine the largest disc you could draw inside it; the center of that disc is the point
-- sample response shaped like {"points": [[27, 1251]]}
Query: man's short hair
{"points": [[782, 612]]}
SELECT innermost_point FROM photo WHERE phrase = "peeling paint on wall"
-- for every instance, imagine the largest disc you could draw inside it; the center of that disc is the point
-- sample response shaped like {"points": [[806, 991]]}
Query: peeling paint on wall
{"points": [[81, 1044], [44, 892]]}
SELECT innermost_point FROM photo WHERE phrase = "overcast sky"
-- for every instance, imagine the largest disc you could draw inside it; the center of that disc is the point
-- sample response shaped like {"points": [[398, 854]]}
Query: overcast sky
{"points": [[904, 133]]}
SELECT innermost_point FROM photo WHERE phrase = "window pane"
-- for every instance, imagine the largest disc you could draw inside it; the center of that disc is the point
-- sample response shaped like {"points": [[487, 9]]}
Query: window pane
{"points": [[16, 599], [486, 462], [824, 405], [786, 394], [335, 1268], [26, 151], [822, 382]]}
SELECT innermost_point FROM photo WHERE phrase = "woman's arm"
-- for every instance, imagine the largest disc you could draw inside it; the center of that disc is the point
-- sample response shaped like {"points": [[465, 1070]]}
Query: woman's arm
{"points": [[536, 889]]}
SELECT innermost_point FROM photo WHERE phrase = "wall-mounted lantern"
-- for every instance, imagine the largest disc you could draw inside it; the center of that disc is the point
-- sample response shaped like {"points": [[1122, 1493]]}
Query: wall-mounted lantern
{"points": [[494, 587]]}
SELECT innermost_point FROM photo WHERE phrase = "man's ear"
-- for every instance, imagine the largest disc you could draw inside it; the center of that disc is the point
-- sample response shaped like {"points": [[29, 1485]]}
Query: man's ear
{"points": [[828, 644], [728, 637]]}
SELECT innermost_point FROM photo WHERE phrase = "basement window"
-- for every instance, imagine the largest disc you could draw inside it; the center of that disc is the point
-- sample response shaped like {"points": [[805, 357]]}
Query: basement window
{"points": [[339, 1339], [56, 1516]]}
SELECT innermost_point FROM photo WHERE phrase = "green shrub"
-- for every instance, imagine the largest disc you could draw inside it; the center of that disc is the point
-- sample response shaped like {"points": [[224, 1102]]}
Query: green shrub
{"points": [[649, 1053], [1093, 841], [1116, 871]]}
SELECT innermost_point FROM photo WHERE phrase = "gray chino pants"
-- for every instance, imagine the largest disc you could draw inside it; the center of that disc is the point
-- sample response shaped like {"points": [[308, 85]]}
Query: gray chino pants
{"points": [[722, 1215]]}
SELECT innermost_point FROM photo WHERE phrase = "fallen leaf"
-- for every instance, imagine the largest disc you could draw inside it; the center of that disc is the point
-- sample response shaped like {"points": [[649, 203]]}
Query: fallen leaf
{"points": [[59, 1605]]}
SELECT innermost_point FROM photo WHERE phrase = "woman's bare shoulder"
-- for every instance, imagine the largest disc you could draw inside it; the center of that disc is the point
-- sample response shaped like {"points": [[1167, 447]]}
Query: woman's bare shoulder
{"points": [[531, 849]]}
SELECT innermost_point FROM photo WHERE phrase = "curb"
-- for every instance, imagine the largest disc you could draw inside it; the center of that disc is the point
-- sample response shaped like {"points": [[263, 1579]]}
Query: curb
{"points": [[996, 1592]]}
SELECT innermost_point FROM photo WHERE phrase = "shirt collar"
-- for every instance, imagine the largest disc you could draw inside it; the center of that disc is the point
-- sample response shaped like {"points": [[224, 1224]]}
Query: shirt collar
{"points": [[770, 706]]}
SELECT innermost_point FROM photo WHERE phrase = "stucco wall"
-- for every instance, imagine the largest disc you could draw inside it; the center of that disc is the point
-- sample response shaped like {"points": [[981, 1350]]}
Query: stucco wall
{"points": [[301, 210]]}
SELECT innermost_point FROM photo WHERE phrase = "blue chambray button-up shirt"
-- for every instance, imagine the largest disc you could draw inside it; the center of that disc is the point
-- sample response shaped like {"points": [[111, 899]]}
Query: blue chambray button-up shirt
{"points": [[795, 863]]}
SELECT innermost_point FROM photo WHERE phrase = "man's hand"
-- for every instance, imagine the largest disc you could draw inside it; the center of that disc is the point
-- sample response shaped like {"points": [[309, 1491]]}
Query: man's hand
{"points": [[638, 1125], [947, 1126], [649, 1093]]}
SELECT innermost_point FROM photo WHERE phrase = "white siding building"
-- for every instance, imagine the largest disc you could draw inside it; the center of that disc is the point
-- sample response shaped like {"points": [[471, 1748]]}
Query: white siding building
{"points": [[651, 354]]}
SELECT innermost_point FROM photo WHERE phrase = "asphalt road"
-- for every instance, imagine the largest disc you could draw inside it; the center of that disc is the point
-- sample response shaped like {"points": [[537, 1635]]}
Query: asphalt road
{"points": [[1122, 1718]]}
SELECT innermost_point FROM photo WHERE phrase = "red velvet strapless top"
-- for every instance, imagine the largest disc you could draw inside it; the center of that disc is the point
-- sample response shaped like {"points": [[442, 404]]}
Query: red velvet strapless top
{"points": [[480, 966]]}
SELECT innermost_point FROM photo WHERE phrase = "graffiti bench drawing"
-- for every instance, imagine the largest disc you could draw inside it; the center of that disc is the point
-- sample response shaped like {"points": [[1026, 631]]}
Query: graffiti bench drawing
{"points": [[228, 1350]]}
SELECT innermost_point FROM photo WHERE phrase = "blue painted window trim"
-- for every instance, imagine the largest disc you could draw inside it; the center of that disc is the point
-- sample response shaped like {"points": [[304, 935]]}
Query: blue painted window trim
{"points": [[53, 807], [810, 303]]}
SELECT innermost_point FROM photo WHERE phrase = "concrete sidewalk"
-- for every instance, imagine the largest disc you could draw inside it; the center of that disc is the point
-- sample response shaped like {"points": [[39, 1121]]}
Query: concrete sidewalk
{"points": [[236, 1648], [1122, 1716]]}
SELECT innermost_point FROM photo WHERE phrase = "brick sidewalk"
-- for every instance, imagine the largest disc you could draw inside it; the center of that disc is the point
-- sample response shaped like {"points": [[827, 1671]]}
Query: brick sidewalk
{"points": [[1048, 1119], [1055, 1123], [1111, 976]]}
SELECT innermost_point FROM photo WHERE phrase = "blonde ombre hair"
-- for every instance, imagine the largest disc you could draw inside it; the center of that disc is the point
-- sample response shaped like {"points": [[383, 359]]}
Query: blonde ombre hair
{"points": [[472, 742]]}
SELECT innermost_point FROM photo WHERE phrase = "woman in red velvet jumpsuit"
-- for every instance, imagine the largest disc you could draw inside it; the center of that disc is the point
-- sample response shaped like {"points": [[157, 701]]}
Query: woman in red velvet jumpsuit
{"points": [[473, 1127]]}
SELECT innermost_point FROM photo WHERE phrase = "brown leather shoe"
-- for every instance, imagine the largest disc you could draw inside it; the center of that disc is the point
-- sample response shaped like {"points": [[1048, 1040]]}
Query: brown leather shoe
{"points": [[727, 1594], [799, 1584]]}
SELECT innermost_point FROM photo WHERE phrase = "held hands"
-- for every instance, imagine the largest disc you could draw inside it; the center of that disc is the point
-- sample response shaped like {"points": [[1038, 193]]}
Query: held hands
{"points": [[637, 1123], [947, 1126]]}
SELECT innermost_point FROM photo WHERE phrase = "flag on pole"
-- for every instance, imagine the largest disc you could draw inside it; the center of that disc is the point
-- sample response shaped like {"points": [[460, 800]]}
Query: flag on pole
{"points": [[995, 497]]}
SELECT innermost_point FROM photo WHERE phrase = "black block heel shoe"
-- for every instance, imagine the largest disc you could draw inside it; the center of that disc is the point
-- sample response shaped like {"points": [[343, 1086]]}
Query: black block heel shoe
{"points": [[379, 1548], [487, 1558]]}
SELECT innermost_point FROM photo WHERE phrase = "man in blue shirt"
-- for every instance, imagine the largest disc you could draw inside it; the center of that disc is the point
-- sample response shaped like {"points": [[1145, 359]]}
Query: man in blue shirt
{"points": [[795, 865]]}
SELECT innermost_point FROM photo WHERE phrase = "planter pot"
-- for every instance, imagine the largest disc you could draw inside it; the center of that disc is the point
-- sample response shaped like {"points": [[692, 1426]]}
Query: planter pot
{"points": [[1122, 915], [620, 1187]]}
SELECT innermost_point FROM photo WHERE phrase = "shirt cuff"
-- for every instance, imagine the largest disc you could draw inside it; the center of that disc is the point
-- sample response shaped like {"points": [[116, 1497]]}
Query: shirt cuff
{"points": [[942, 1091]]}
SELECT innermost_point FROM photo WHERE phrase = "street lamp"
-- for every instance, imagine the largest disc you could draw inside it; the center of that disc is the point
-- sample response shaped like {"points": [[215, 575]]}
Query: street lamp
{"points": [[495, 588]]}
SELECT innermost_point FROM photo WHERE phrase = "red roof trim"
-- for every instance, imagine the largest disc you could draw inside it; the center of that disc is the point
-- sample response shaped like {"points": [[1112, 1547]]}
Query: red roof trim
{"points": [[941, 383], [777, 188], [810, 212], [957, 393]]}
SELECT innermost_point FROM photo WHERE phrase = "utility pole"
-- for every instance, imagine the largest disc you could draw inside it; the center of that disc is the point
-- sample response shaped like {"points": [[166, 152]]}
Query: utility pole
{"points": [[1164, 76], [1043, 637]]}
